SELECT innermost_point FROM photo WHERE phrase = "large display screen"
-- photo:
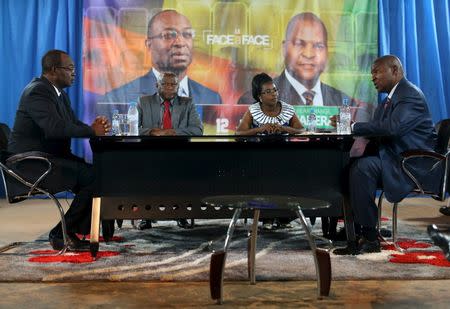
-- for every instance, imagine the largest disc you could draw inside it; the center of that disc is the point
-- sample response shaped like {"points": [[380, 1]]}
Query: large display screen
{"points": [[228, 43]]}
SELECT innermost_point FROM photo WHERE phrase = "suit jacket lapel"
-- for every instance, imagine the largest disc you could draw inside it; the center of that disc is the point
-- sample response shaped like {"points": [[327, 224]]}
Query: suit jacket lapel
{"points": [[63, 106], [379, 111], [193, 92], [156, 110], [176, 112], [287, 93]]}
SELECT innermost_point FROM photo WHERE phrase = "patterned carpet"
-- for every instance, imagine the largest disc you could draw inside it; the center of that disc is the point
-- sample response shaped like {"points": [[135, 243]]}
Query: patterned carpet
{"points": [[169, 253]]}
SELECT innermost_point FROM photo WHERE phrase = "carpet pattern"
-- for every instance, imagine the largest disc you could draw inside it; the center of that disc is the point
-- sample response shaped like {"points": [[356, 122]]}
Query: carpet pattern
{"points": [[169, 253]]}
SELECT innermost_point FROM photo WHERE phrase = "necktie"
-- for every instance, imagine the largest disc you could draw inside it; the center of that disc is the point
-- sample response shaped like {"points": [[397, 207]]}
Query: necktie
{"points": [[167, 118], [386, 106], [309, 96], [387, 103]]}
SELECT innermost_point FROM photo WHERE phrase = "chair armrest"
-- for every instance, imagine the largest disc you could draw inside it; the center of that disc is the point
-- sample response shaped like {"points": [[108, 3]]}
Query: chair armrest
{"points": [[417, 153], [420, 154], [27, 156]]}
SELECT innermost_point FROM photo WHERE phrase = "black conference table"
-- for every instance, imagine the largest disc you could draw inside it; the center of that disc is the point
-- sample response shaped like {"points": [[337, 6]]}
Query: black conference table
{"points": [[148, 177]]}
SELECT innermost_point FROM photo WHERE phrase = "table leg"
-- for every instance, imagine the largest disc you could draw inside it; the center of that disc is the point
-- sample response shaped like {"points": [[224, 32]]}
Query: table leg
{"points": [[217, 265], [95, 226], [321, 257], [348, 221], [251, 249]]}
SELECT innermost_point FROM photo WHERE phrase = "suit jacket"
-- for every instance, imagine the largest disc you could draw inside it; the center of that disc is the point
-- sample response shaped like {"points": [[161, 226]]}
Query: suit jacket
{"points": [[185, 119], [45, 122], [146, 85], [403, 125], [287, 93]]}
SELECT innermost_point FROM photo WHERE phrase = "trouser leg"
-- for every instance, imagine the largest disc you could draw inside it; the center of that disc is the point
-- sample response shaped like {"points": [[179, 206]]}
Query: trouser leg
{"points": [[365, 177], [78, 177]]}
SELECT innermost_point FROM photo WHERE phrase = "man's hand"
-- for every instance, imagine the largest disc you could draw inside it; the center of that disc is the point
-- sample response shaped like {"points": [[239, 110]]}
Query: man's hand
{"points": [[162, 132], [101, 125]]}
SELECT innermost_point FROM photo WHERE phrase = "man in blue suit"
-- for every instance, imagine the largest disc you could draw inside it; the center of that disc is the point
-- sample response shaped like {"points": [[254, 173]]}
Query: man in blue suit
{"points": [[402, 122], [170, 42]]}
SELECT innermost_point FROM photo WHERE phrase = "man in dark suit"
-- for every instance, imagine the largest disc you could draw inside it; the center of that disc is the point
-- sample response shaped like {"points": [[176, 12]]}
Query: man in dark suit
{"points": [[167, 113], [403, 122], [45, 122], [305, 52], [170, 42]]}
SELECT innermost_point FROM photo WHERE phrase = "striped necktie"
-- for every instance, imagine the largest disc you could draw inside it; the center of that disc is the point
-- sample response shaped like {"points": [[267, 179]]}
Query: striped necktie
{"points": [[309, 97]]}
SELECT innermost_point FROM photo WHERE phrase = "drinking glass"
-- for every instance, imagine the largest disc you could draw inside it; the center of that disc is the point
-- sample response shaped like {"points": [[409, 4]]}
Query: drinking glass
{"points": [[124, 125]]}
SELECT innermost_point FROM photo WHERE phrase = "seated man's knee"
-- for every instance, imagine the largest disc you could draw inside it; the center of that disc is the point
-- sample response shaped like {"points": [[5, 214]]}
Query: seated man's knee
{"points": [[365, 166], [86, 175]]}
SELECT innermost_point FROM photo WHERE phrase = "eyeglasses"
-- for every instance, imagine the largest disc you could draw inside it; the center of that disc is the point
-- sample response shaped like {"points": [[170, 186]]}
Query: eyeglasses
{"points": [[165, 84], [69, 69], [172, 35], [269, 91]]}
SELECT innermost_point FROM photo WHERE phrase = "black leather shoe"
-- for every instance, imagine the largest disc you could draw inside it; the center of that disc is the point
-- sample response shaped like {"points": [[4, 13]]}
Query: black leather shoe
{"points": [[439, 239], [74, 244], [145, 225], [366, 246], [445, 210], [385, 232], [350, 249], [183, 223]]}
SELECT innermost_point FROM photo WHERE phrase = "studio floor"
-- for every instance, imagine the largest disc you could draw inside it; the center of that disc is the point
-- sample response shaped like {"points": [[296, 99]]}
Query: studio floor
{"points": [[29, 219]]}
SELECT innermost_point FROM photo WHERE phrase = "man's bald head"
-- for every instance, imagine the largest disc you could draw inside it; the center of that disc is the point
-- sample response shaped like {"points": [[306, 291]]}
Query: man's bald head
{"points": [[387, 71], [391, 61]]}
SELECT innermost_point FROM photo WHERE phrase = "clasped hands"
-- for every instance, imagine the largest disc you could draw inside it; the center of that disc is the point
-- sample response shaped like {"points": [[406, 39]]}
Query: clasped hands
{"points": [[162, 132], [272, 128], [101, 125]]}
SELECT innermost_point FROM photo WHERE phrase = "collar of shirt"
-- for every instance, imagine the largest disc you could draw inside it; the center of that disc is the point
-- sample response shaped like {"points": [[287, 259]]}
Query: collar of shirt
{"points": [[391, 93], [57, 91], [317, 100], [162, 101], [183, 89]]}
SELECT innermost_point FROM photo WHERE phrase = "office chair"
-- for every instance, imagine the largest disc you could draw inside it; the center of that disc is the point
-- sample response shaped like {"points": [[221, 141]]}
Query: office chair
{"points": [[17, 188], [437, 165]]}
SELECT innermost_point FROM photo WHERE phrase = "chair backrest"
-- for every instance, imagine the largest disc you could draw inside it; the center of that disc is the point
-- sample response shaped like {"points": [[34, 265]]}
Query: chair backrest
{"points": [[442, 147], [14, 189], [4, 136], [443, 131]]}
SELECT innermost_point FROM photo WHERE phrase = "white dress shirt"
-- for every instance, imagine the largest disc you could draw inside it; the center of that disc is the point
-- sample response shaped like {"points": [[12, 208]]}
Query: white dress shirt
{"points": [[318, 98]]}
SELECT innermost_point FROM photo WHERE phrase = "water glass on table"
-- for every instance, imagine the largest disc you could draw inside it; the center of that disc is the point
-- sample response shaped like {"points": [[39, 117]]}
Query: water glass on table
{"points": [[124, 125], [338, 127]]}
